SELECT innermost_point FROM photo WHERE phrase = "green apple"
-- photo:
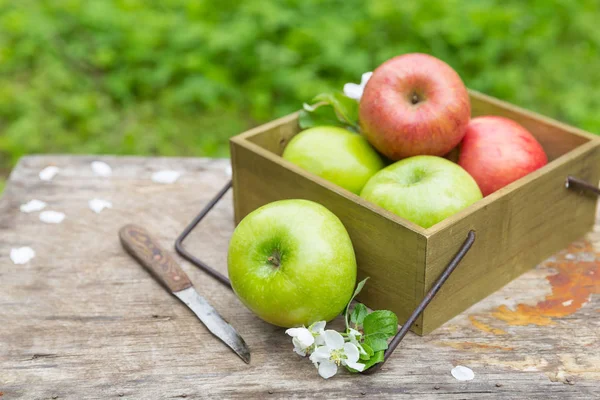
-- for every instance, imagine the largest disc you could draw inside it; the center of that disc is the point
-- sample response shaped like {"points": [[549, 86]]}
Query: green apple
{"points": [[335, 154], [292, 263], [422, 189]]}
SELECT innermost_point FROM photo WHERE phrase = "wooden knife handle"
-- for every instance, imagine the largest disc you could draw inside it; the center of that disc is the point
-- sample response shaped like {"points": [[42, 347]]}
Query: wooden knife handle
{"points": [[143, 247]]}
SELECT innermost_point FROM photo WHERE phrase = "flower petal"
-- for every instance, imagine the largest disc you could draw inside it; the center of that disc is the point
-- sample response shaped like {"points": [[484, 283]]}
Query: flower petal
{"points": [[101, 168], [319, 339], [304, 336], [298, 348], [364, 79], [48, 173], [97, 205], [333, 339], [52, 217], [293, 332], [327, 369], [32, 206], [22, 255], [353, 91], [352, 353], [355, 365], [166, 176], [320, 354], [462, 373], [318, 326]]}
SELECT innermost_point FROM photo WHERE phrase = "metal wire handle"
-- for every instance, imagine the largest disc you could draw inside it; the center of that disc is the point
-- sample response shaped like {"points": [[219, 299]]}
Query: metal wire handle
{"points": [[570, 183]]}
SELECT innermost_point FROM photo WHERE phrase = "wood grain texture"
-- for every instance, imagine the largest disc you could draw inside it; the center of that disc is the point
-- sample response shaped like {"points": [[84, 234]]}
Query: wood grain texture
{"points": [[138, 242], [82, 320]]}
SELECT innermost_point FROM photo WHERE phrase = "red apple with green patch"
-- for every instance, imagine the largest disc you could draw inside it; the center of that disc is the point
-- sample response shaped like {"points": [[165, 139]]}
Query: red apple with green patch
{"points": [[497, 151], [414, 104]]}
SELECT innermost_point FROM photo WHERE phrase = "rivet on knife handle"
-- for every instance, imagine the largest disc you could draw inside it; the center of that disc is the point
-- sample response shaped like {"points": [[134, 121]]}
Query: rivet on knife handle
{"points": [[138, 242]]}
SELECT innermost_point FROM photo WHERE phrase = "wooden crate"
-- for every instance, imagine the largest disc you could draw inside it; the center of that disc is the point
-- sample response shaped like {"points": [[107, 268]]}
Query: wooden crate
{"points": [[516, 227]]}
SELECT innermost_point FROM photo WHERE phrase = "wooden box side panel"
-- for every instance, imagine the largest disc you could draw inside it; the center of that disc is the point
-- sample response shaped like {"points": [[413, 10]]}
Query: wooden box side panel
{"points": [[514, 233], [393, 256], [557, 139], [275, 135]]}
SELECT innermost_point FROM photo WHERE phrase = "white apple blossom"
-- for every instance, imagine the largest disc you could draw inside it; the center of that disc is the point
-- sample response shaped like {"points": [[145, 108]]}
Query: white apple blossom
{"points": [[355, 91], [304, 339], [333, 353]]}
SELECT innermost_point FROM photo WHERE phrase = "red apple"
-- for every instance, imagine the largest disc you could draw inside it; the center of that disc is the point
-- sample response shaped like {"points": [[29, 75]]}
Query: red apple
{"points": [[497, 151], [414, 104]]}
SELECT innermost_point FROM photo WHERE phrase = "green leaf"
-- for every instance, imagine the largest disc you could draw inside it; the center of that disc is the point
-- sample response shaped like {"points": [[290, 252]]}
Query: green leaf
{"points": [[345, 108], [368, 350], [359, 287], [376, 342], [376, 358], [319, 117], [359, 313], [330, 109], [379, 326]]}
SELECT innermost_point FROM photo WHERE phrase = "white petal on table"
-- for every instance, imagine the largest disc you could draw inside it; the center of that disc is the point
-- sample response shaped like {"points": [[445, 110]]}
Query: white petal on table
{"points": [[33, 206], [52, 217], [101, 168], [166, 176], [462, 373], [48, 173], [21, 255], [97, 205]]}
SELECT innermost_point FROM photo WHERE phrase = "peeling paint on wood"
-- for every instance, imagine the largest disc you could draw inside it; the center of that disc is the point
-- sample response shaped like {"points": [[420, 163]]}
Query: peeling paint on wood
{"points": [[575, 281], [485, 327]]}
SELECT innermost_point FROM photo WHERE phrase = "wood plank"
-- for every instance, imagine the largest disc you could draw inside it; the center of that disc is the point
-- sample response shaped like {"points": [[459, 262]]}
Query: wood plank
{"points": [[83, 320]]}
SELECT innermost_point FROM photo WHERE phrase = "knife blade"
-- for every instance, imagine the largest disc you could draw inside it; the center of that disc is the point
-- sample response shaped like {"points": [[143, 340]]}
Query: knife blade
{"points": [[145, 249]]}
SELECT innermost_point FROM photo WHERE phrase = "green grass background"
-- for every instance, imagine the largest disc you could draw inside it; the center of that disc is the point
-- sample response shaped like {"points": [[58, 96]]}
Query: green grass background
{"points": [[179, 77]]}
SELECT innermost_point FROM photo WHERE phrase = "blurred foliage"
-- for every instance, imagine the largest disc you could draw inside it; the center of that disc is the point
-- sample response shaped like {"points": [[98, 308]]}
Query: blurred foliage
{"points": [[178, 77]]}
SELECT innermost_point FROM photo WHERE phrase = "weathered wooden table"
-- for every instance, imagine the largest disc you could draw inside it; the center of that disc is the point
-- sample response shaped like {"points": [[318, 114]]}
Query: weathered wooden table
{"points": [[83, 320]]}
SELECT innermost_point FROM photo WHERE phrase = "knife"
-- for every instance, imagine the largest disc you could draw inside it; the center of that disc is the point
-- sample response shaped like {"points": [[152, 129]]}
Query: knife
{"points": [[146, 250]]}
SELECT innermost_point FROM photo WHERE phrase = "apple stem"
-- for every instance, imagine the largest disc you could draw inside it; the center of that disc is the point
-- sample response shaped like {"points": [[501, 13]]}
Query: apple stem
{"points": [[415, 98]]}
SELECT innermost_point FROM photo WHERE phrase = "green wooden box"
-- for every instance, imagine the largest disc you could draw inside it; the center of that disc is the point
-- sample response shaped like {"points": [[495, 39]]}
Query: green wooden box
{"points": [[516, 227]]}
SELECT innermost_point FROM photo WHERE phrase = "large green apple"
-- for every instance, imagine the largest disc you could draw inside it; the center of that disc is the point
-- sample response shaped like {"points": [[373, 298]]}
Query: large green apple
{"points": [[335, 154], [292, 263], [422, 189]]}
